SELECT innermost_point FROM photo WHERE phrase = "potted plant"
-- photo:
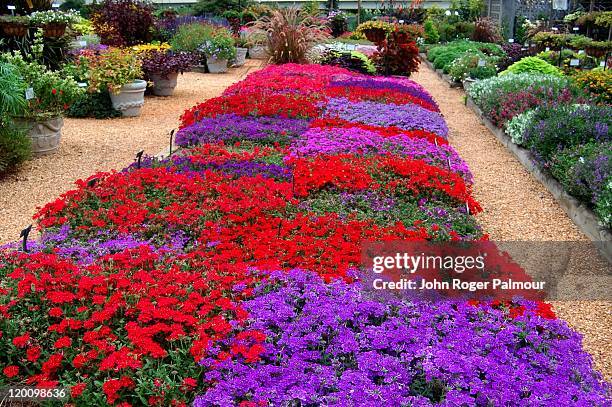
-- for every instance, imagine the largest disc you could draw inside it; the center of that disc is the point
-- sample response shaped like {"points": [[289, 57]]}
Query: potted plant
{"points": [[255, 42], [162, 68], [219, 49], [15, 26], [118, 71], [53, 22], [189, 38], [241, 51], [48, 95]]}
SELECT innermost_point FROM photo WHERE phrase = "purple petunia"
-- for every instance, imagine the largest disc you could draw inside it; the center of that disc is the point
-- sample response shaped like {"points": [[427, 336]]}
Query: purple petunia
{"points": [[330, 344], [232, 127], [407, 117]]}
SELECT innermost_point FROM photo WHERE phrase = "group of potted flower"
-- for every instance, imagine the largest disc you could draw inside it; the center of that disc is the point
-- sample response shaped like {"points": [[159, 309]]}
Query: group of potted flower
{"points": [[161, 67], [48, 95], [53, 23]]}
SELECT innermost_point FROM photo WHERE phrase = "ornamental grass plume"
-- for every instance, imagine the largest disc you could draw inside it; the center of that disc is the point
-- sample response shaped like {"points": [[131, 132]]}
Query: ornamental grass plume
{"points": [[291, 32]]}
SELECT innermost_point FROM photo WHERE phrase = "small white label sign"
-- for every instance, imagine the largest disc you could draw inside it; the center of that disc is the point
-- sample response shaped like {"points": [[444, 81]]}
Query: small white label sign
{"points": [[482, 62], [547, 49], [29, 93], [574, 62], [511, 40], [10, 7]]}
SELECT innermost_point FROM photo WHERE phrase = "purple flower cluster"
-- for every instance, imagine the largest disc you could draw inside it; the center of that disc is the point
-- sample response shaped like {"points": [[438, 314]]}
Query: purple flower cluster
{"points": [[330, 344], [407, 117], [359, 141], [185, 163], [232, 127]]}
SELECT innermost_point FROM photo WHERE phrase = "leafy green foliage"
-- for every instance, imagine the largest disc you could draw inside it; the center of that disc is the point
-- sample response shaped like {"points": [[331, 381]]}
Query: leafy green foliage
{"points": [[432, 36], [97, 105], [15, 146], [532, 65]]}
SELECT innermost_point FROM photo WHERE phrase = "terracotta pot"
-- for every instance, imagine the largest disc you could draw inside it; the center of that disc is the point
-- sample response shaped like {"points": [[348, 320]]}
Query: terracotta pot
{"points": [[164, 86], [15, 30], [45, 135], [130, 99], [54, 30]]}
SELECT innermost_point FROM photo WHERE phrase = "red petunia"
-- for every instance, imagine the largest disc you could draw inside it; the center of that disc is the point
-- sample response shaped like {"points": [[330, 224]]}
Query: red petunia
{"points": [[11, 371]]}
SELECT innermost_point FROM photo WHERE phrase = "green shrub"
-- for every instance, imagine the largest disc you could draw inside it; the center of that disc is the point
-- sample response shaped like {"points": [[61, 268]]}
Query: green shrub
{"points": [[97, 105], [432, 36], [15, 146], [443, 55], [469, 66], [189, 37], [532, 65]]}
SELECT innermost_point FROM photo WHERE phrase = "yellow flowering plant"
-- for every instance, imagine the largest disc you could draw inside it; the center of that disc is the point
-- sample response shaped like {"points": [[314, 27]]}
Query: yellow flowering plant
{"points": [[597, 82]]}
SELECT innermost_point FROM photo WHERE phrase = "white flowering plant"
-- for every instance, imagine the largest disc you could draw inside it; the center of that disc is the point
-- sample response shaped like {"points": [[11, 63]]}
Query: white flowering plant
{"points": [[54, 17]]}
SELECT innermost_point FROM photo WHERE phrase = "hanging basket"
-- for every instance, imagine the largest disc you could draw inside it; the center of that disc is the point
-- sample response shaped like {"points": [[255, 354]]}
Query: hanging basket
{"points": [[54, 30], [14, 29], [596, 52], [375, 35]]}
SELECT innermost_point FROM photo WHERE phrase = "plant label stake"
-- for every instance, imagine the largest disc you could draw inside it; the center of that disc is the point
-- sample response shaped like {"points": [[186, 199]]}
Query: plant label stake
{"points": [[139, 158], [29, 94], [171, 141], [467, 208], [449, 162], [24, 234], [436, 141]]}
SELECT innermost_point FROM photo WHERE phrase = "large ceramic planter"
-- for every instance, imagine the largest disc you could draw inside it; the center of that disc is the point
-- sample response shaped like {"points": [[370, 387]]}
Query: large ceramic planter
{"points": [[164, 86], [45, 135], [240, 57], [130, 99], [216, 65], [258, 52]]}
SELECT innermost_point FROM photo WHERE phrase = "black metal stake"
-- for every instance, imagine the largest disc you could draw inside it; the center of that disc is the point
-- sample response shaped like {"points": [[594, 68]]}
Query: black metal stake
{"points": [[280, 225], [171, 141], [92, 182], [139, 158], [24, 234]]}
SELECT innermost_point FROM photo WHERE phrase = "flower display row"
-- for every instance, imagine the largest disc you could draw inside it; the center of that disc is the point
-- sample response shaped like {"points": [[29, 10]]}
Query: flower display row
{"points": [[227, 274]]}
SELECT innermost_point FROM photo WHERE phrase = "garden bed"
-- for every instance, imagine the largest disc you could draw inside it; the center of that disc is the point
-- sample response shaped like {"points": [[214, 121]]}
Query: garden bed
{"points": [[197, 261], [584, 217]]}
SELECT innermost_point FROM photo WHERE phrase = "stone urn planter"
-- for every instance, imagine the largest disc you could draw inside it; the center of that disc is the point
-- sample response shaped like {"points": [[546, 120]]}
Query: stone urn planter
{"points": [[258, 52], [240, 59], [164, 86], [130, 99], [216, 65], [45, 135]]}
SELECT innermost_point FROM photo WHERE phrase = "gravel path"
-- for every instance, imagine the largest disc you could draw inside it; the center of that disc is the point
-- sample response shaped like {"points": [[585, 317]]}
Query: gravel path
{"points": [[90, 145], [517, 207]]}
